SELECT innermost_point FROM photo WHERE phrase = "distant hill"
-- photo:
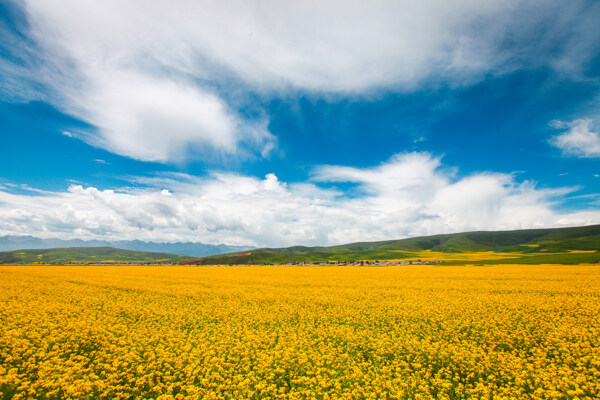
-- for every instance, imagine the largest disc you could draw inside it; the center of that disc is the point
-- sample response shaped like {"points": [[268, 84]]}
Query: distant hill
{"points": [[192, 249], [531, 246], [83, 255]]}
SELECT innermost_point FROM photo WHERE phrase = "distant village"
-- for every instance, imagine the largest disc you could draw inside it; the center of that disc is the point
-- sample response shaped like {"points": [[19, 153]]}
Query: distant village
{"points": [[361, 263], [332, 263]]}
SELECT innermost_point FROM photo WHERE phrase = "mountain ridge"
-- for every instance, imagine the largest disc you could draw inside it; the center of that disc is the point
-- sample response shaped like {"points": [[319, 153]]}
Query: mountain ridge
{"points": [[87, 255], [528, 246], [524, 246], [191, 249]]}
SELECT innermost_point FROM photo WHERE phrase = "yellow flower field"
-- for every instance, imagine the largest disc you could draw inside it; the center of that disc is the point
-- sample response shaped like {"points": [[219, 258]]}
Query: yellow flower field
{"points": [[403, 332], [428, 255]]}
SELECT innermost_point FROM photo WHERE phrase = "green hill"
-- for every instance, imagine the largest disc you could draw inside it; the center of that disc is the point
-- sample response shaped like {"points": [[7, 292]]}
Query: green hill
{"points": [[531, 246], [85, 255]]}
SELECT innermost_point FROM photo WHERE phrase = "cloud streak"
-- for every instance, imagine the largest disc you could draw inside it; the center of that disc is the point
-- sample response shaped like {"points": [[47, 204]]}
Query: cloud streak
{"points": [[410, 195], [162, 81], [580, 140]]}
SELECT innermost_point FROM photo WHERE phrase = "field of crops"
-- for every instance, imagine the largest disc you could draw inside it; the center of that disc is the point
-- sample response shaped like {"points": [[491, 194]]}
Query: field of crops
{"points": [[414, 332]]}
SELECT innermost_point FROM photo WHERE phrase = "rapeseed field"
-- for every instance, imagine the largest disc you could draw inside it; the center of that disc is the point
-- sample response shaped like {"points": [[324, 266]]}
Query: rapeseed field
{"points": [[404, 332]]}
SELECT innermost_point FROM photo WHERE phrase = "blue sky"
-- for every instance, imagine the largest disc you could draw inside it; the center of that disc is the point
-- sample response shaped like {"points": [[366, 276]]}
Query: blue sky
{"points": [[262, 124]]}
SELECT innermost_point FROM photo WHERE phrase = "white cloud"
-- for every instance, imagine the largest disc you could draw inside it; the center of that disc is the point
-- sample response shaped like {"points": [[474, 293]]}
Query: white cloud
{"points": [[157, 120], [329, 46], [580, 140], [410, 195], [162, 79]]}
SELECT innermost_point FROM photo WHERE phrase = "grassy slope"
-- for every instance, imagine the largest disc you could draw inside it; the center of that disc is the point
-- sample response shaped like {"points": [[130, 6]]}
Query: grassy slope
{"points": [[85, 255], [533, 246]]}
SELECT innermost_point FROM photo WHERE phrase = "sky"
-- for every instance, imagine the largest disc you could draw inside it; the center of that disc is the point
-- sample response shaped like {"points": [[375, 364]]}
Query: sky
{"points": [[268, 123]]}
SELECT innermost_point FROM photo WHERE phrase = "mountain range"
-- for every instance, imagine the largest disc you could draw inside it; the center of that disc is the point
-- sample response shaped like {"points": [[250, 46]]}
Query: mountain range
{"points": [[191, 249], [87, 255], [530, 246]]}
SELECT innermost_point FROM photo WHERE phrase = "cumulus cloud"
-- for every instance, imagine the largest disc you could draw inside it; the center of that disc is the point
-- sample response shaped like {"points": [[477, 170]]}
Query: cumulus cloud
{"points": [[410, 195], [157, 120], [579, 139], [162, 79]]}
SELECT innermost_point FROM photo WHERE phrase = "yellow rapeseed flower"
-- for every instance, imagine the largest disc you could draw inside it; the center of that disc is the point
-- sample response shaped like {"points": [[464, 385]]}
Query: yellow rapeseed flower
{"points": [[403, 332]]}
